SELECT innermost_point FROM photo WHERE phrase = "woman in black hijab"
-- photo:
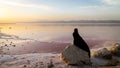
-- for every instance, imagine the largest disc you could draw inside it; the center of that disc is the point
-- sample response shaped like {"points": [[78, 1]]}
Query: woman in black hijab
{"points": [[79, 42]]}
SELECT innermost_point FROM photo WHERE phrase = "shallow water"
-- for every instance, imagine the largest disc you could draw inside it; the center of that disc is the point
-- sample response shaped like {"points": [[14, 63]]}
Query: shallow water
{"points": [[60, 32], [30, 37]]}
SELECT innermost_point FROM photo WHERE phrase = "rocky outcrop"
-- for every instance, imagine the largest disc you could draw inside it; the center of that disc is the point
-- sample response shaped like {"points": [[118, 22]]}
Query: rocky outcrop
{"points": [[104, 62], [112, 62], [103, 53], [73, 55], [115, 49], [107, 56]]}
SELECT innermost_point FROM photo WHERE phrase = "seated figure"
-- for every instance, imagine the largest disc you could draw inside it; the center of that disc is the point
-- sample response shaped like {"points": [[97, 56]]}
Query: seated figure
{"points": [[79, 42]]}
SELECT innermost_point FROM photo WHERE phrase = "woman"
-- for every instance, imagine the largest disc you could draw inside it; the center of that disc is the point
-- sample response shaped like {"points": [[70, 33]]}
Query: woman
{"points": [[79, 42]]}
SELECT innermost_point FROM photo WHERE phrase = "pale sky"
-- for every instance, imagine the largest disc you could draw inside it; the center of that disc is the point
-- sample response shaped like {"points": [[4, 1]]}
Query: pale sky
{"points": [[42, 10]]}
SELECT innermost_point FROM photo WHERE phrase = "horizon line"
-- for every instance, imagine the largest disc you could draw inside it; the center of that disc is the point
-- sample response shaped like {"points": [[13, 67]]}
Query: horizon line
{"points": [[67, 22]]}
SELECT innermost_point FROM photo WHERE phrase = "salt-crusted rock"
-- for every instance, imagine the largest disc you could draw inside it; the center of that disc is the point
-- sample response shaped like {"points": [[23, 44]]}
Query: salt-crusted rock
{"points": [[84, 66], [75, 56], [115, 49], [104, 57], [112, 62], [104, 62], [102, 53]]}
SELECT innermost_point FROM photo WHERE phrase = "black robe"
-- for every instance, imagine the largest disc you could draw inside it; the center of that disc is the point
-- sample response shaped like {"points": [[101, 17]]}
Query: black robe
{"points": [[79, 42]]}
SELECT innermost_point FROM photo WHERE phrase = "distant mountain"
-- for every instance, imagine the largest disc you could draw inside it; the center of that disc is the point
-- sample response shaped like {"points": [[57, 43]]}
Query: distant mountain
{"points": [[79, 21]]}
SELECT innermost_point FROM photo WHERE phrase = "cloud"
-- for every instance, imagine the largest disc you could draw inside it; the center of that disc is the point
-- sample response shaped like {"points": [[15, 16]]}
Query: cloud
{"points": [[89, 7], [100, 7], [45, 7], [99, 12], [111, 2]]}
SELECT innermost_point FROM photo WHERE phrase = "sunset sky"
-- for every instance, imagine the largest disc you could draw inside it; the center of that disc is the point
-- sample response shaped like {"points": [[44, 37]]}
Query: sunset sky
{"points": [[46, 10]]}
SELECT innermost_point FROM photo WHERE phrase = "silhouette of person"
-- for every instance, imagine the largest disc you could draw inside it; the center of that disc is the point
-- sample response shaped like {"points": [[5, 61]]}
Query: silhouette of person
{"points": [[79, 42]]}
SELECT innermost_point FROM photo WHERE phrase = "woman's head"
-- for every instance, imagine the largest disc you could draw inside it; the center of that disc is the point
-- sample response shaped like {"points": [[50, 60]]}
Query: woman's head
{"points": [[75, 30]]}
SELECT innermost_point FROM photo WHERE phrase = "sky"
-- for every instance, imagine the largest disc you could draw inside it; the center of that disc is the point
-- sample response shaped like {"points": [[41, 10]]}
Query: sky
{"points": [[52, 10]]}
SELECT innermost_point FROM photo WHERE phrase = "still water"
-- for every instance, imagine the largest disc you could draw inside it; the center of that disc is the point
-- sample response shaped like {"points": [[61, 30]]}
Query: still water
{"points": [[31, 38], [60, 32]]}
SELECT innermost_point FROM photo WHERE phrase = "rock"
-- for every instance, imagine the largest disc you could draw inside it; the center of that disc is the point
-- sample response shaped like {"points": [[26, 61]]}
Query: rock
{"points": [[115, 49], [112, 62], [119, 64], [86, 66], [102, 53], [104, 62], [50, 65], [73, 55]]}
